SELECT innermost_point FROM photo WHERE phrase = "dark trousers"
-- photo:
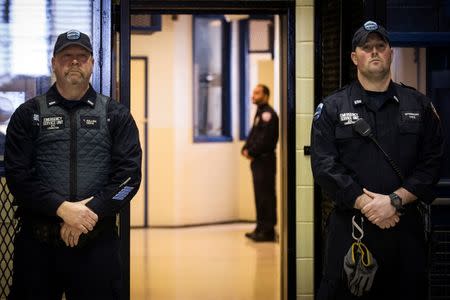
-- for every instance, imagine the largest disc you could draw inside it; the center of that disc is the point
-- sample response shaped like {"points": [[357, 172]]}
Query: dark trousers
{"points": [[263, 171], [400, 253], [44, 271]]}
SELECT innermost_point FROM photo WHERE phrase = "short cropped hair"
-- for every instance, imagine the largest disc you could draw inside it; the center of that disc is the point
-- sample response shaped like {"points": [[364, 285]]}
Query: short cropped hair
{"points": [[265, 89]]}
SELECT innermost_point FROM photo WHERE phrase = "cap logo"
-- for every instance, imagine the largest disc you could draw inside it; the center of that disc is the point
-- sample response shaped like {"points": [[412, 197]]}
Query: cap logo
{"points": [[370, 26], [73, 35]]}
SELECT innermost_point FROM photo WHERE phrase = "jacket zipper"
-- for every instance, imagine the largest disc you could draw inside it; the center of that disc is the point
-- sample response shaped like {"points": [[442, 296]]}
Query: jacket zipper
{"points": [[73, 156]]}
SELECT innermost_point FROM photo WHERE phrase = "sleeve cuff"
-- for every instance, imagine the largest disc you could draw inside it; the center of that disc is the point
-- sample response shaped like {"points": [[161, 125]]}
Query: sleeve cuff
{"points": [[96, 206], [346, 198], [423, 193], [54, 204], [252, 153]]}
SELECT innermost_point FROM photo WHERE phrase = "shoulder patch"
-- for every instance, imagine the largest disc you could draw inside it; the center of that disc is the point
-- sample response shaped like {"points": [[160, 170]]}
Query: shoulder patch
{"points": [[266, 116], [318, 111]]}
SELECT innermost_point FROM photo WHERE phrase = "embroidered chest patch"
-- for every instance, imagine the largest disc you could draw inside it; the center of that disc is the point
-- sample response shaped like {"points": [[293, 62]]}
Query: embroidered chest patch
{"points": [[348, 118], [90, 122], [411, 116], [53, 123]]}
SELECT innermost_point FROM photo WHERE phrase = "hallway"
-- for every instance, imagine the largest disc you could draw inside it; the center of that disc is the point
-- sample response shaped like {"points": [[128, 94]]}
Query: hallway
{"points": [[203, 263]]}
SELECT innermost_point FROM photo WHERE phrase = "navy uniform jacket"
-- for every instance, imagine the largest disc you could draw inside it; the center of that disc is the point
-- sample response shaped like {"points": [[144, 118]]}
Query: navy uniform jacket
{"points": [[263, 137], [407, 128], [20, 158]]}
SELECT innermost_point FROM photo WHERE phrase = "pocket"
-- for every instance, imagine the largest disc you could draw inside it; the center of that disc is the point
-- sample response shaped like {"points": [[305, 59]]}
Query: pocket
{"points": [[345, 132], [411, 128], [410, 138]]}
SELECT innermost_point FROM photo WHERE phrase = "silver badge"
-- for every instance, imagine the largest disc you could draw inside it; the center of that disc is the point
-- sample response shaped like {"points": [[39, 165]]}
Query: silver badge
{"points": [[73, 35], [370, 26]]}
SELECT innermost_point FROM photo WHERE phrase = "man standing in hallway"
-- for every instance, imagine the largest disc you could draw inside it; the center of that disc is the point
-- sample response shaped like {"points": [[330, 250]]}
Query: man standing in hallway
{"points": [[260, 150], [376, 152], [72, 160]]}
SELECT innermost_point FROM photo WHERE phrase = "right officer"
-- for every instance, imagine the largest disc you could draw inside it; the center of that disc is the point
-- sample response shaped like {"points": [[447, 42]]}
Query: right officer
{"points": [[382, 189]]}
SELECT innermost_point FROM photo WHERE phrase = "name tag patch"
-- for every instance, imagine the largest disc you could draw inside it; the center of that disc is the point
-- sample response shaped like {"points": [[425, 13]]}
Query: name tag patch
{"points": [[411, 116], [348, 118], [53, 123], [90, 122]]}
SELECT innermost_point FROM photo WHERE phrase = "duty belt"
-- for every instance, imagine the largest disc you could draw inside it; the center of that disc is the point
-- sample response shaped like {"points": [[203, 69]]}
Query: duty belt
{"points": [[48, 232]]}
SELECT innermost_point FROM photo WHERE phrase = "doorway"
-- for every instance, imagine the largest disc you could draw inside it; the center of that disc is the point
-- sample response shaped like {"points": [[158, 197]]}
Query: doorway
{"points": [[195, 175], [287, 172]]}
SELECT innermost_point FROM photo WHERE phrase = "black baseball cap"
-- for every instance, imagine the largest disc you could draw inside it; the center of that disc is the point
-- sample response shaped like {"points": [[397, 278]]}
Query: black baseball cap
{"points": [[360, 36], [72, 37]]}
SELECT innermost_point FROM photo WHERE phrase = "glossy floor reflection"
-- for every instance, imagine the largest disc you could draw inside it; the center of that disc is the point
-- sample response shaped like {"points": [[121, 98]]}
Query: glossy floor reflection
{"points": [[203, 263]]}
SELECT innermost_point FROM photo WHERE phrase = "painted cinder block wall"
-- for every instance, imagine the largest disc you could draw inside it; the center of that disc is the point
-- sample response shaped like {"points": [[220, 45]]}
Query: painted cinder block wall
{"points": [[304, 38]]}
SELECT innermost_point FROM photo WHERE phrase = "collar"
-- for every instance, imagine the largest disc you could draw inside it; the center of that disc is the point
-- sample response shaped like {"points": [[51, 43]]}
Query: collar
{"points": [[55, 98], [263, 105], [358, 94]]}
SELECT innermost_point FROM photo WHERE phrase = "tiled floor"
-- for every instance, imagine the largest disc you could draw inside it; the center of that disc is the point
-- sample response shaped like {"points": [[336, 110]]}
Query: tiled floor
{"points": [[203, 263]]}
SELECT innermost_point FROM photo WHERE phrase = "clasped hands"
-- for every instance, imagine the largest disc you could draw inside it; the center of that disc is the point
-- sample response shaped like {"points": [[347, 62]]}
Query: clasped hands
{"points": [[378, 209], [78, 219]]}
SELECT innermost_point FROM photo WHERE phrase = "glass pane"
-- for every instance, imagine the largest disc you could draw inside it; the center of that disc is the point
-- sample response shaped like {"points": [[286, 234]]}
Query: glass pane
{"points": [[402, 15], [438, 89], [208, 39], [260, 35], [28, 31], [409, 67], [253, 79]]}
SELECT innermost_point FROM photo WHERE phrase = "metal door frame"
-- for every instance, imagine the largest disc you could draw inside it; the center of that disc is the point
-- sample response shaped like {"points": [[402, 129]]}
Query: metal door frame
{"points": [[286, 10]]}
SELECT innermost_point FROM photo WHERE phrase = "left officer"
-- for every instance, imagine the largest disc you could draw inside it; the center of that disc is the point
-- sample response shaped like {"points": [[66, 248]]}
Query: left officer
{"points": [[72, 161], [260, 149]]}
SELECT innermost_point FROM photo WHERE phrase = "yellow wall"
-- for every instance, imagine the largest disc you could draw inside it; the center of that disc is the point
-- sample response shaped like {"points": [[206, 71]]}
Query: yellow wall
{"points": [[304, 112], [157, 48], [205, 183], [137, 76]]}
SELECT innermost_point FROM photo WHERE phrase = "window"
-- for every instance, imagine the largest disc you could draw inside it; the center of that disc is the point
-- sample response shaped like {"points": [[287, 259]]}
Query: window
{"points": [[145, 23], [404, 30], [256, 45], [212, 111], [28, 31]]}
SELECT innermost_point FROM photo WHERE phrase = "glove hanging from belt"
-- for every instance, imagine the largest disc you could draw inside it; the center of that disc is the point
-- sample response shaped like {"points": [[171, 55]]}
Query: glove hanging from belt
{"points": [[359, 264]]}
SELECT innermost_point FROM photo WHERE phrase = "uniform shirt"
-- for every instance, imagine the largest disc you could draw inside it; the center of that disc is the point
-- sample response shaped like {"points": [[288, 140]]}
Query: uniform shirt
{"points": [[405, 125], [34, 196], [263, 136]]}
